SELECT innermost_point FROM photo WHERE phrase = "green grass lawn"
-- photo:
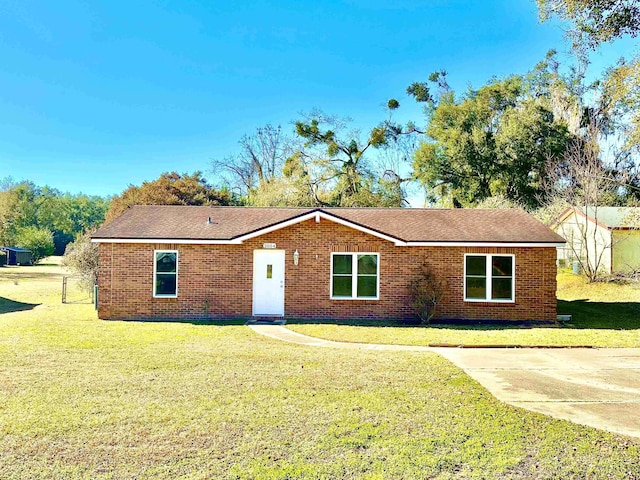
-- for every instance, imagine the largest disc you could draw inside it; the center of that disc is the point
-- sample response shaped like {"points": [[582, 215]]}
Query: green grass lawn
{"points": [[603, 315], [85, 398]]}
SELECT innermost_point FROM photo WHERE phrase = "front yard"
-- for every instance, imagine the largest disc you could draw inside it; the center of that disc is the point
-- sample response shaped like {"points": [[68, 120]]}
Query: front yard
{"points": [[84, 398], [603, 315]]}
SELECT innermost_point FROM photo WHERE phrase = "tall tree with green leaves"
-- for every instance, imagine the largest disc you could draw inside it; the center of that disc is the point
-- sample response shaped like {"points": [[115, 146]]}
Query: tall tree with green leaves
{"points": [[169, 189], [615, 112], [339, 167], [38, 240], [8, 209], [621, 91], [494, 141], [324, 163], [594, 21], [24, 205]]}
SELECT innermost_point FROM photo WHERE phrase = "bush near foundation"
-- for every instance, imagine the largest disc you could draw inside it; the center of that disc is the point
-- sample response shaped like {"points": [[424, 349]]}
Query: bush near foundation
{"points": [[427, 289]]}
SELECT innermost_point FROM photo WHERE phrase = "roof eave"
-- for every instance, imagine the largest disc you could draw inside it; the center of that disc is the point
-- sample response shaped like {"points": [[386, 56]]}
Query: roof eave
{"points": [[181, 241], [190, 241], [486, 244]]}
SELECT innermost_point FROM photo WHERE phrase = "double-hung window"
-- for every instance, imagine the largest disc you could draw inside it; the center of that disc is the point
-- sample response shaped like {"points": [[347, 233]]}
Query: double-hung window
{"points": [[489, 278], [165, 273], [355, 275]]}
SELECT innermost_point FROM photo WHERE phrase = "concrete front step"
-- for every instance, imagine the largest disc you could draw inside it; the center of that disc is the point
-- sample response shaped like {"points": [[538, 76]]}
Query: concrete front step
{"points": [[266, 321]]}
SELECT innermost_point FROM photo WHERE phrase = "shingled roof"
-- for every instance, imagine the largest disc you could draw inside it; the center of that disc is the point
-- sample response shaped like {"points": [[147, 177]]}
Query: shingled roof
{"points": [[613, 217], [190, 224]]}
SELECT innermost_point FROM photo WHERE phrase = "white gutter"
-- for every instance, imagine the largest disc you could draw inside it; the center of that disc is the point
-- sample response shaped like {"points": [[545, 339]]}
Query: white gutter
{"points": [[166, 240], [484, 244], [179, 241]]}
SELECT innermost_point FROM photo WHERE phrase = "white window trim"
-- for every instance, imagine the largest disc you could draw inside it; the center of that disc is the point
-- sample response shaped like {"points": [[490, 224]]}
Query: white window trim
{"points": [[354, 276], [155, 263], [489, 276]]}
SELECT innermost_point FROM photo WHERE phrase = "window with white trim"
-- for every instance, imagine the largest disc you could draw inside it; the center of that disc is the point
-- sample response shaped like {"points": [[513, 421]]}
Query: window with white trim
{"points": [[489, 278], [165, 273], [355, 275]]}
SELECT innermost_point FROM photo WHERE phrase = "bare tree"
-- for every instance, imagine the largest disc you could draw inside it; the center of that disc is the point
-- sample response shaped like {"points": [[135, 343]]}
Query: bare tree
{"points": [[259, 161], [586, 183], [394, 159]]}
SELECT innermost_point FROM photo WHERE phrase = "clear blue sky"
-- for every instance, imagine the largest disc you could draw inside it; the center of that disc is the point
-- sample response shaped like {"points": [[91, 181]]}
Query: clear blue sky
{"points": [[95, 96]]}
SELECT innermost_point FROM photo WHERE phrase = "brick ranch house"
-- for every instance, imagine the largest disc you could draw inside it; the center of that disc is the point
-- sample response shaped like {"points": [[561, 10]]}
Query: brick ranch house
{"points": [[338, 263]]}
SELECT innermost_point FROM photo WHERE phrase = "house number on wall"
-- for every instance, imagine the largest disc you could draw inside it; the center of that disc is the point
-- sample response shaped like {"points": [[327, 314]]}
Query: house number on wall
{"points": [[268, 245]]}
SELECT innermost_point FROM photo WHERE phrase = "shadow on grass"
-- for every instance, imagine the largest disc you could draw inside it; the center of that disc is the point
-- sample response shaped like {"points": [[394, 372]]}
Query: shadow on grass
{"points": [[7, 305], [601, 315], [353, 322], [585, 315], [192, 321], [477, 325], [17, 276]]}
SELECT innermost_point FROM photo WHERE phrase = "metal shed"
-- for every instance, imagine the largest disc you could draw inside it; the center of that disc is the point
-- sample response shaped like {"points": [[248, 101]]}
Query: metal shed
{"points": [[18, 256]]}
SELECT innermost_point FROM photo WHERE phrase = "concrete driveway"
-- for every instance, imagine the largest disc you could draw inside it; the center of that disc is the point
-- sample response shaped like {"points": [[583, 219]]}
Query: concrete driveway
{"points": [[595, 387]]}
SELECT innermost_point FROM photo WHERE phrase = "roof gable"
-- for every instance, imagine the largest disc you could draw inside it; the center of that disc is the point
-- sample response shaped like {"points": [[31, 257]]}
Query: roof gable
{"points": [[317, 215], [607, 217], [15, 249]]}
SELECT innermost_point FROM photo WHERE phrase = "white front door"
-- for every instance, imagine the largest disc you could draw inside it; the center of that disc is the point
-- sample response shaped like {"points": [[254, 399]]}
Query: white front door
{"points": [[268, 282]]}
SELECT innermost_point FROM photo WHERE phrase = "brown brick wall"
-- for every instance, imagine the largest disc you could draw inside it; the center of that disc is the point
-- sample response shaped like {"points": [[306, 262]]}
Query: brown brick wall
{"points": [[215, 281]]}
